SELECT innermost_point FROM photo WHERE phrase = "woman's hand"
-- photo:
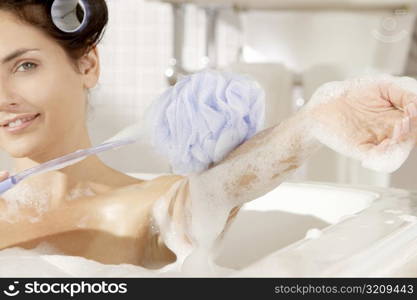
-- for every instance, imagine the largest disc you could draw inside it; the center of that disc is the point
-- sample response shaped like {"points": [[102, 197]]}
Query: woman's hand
{"points": [[369, 115]]}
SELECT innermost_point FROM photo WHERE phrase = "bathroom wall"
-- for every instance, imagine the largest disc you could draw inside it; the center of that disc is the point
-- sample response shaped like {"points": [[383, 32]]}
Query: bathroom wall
{"points": [[359, 41], [135, 52]]}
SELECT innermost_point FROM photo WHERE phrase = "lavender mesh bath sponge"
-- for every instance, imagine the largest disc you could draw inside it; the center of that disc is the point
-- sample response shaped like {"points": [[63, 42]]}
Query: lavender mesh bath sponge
{"points": [[203, 117]]}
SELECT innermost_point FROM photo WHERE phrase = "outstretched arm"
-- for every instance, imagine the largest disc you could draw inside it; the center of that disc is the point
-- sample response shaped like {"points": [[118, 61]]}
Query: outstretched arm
{"points": [[260, 164], [204, 204], [369, 117]]}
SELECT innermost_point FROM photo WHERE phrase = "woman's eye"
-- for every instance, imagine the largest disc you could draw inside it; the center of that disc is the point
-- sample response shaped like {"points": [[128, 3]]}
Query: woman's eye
{"points": [[27, 66]]}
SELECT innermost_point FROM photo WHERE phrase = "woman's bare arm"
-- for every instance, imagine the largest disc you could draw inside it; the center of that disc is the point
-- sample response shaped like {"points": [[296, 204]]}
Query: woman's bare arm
{"points": [[204, 205], [260, 164]]}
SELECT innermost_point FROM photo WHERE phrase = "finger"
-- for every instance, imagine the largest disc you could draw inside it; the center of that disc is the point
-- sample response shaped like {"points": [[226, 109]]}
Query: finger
{"points": [[413, 129], [383, 146], [398, 97], [396, 132], [411, 110], [405, 127], [4, 175], [404, 133]]}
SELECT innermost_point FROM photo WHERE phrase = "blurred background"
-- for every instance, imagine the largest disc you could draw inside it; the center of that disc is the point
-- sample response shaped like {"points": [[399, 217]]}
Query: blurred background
{"points": [[290, 47]]}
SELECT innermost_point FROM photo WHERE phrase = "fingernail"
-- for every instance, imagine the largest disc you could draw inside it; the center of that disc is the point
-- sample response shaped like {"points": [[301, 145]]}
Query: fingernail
{"points": [[2, 173]]}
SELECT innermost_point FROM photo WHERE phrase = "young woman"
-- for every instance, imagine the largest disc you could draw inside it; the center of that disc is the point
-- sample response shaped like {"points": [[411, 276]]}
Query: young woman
{"points": [[45, 75]]}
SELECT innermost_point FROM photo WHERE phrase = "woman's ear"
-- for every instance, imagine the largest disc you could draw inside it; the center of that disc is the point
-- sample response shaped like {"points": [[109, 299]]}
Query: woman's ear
{"points": [[89, 67]]}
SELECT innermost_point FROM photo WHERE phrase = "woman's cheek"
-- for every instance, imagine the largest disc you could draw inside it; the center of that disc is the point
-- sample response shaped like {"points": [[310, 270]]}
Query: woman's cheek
{"points": [[32, 90]]}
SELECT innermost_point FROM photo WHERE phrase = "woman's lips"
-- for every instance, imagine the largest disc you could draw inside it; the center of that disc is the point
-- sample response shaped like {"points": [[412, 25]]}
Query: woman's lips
{"points": [[22, 126]]}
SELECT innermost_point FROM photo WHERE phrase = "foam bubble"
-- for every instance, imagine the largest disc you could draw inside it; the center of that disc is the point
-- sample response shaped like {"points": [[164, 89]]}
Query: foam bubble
{"points": [[393, 211], [386, 162], [25, 196], [389, 160], [80, 192]]}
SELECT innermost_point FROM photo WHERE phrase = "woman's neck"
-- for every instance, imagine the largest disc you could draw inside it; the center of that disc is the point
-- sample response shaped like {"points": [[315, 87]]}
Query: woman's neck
{"points": [[68, 144]]}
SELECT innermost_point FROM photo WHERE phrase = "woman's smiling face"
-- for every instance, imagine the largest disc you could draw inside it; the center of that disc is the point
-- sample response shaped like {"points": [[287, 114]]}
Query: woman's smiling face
{"points": [[38, 78]]}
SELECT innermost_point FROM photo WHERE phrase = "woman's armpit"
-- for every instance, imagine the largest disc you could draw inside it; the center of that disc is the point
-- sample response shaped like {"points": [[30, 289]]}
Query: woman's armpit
{"points": [[180, 210], [170, 216], [157, 254]]}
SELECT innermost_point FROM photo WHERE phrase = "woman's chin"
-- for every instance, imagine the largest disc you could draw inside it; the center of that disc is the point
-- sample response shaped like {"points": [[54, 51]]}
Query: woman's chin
{"points": [[26, 146]]}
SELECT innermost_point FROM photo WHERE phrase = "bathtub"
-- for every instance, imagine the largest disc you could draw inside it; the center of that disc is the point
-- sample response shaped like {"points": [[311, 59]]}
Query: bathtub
{"points": [[300, 229], [317, 229]]}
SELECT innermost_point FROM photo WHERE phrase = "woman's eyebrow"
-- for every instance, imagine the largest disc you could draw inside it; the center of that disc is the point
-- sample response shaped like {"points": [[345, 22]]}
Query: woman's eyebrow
{"points": [[17, 53]]}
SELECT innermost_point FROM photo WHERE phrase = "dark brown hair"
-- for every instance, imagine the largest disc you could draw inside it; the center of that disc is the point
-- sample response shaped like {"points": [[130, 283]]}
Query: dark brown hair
{"points": [[38, 13]]}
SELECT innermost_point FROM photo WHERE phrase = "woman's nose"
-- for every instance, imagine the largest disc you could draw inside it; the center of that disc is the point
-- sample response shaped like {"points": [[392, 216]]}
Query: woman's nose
{"points": [[6, 100]]}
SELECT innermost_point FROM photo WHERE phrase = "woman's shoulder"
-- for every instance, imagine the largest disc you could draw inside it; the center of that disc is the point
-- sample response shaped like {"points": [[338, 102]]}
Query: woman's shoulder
{"points": [[149, 186]]}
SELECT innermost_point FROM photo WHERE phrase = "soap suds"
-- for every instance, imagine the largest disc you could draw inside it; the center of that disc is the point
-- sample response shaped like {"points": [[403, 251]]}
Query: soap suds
{"points": [[313, 233], [347, 217], [393, 211], [80, 192], [34, 201], [24, 196], [408, 218]]}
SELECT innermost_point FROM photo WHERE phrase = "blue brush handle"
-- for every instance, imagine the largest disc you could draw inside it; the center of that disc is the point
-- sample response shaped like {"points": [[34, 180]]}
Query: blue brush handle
{"points": [[61, 162], [7, 184]]}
